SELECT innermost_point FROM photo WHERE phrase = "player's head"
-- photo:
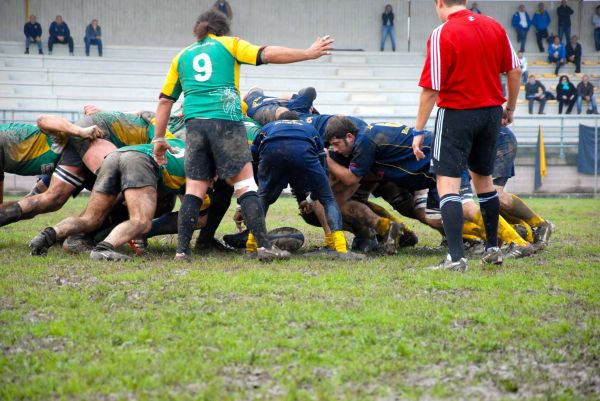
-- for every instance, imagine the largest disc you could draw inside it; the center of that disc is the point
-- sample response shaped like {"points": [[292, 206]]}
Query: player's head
{"points": [[278, 112], [341, 134], [288, 115], [211, 22], [443, 6]]}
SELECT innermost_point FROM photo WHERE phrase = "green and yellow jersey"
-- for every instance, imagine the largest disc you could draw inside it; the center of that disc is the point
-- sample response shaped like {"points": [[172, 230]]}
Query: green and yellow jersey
{"points": [[27, 150], [125, 129], [172, 174], [252, 129], [208, 74]]}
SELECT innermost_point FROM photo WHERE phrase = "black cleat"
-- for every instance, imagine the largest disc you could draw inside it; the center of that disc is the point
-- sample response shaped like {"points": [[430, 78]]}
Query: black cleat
{"points": [[515, 251], [212, 245], [392, 237], [108, 254], [542, 233], [492, 256], [237, 240], [408, 239], [40, 244], [267, 255]]}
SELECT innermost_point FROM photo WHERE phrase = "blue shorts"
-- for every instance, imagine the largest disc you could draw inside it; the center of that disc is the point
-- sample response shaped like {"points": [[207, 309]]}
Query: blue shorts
{"points": [[506, 152]]}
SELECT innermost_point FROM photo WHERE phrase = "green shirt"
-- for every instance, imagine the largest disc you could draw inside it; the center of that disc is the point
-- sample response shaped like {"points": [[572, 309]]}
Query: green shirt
{"points": [[208, 73], [252, 129], [26, 150]]}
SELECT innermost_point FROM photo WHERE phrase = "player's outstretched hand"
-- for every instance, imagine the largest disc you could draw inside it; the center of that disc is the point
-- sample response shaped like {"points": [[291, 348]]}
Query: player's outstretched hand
{"points": [[90, 109], [90, 133], [321, 47], [160, 149], [507, 117], [417, 146]]}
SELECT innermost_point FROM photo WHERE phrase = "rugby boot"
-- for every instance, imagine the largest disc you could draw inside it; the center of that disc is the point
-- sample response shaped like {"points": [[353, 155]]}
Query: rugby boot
{"points": [[542, 233], [269, 254], [212, 245], [108, 254], [392, 238], [78, 243], [492, 256], [515, 251], [40, 244], [408, 239], [350, 256], [182, 257], [237, 240], [458, 266]]}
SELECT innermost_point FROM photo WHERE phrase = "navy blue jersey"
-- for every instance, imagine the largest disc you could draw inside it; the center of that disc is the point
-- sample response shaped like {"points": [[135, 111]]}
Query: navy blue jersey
{"points": [[288, 130], [319, 121], [385, 149], [256, 101]]}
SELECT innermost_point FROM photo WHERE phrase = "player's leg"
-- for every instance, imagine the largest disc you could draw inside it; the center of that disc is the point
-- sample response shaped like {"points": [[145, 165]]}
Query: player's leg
{"points": [[220, 202]]}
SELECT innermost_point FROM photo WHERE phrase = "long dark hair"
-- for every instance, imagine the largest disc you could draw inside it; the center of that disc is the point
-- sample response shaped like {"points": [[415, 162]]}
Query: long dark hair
{"points": [[211, 21]]}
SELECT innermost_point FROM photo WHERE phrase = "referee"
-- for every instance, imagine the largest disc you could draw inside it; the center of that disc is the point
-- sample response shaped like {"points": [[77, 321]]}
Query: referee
{"points": [[465, 57]]}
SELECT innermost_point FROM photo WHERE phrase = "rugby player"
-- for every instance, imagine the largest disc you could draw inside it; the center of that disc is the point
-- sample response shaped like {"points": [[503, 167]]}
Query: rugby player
{"points": [[207, 72], [264, 109], [130, 170]]}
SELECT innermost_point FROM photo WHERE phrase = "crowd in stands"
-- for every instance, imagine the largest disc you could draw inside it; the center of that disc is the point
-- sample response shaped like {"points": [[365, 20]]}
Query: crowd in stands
{"points": [[59, 32], [567, 95]]}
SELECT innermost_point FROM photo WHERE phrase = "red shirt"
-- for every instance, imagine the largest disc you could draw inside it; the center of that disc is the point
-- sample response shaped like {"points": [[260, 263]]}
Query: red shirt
{"points": [[465, 56]]}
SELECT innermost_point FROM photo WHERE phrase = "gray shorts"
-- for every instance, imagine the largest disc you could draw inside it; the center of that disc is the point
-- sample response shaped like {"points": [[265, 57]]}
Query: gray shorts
{"points": [[124, 170], [215, 147]]}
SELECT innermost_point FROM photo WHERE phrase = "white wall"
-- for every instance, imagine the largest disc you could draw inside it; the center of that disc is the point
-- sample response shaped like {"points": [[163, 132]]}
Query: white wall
{"points": [[354, 23]]}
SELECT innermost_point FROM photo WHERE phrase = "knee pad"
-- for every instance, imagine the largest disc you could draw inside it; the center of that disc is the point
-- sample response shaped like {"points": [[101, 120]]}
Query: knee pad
{"points": [[248, 183]]}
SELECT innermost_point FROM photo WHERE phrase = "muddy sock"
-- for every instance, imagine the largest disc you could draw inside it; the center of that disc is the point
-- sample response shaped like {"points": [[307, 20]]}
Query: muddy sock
{"points": [[489, 203], [50, 235], [221, 199], [508, 233], [254, 218], [520, 210], [10, 214], [383, 225], [186, 222], [104, 246], [452, 219]]}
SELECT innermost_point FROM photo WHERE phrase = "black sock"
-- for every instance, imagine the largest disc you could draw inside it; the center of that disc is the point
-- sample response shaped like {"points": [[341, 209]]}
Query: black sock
{"points": [[254, 218], [452, 219], [221, 199], [104, 246], [10, 214], [489, 203], [186, 222], [49, 235], [165, 224]]}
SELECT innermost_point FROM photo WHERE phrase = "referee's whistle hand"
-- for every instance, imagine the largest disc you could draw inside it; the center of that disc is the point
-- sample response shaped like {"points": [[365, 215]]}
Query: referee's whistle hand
{"points": [[417, 145]]}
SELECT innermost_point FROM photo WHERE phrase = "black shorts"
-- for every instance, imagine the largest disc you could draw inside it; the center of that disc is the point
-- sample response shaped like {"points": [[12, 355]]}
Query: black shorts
{"points": [[124, 170], [215, 147], [466, 138]]}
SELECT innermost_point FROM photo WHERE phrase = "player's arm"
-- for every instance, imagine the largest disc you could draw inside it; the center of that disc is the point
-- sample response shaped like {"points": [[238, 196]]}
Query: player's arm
{"points": [[163, 111], [340, 172], [56, 124], [513, 85], [284, 55], [426, 103]]}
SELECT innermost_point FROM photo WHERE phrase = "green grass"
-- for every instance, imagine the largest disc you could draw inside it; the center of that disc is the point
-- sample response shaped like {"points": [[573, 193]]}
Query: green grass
{"points": [[228, 329]]}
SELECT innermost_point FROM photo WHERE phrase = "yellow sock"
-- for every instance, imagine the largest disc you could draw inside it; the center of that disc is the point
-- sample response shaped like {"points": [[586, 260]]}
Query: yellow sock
{"points": [[383, 212], [529, 231], [329, 240], [251, 244], [507, 233], [535, 221], [472, 231], [383, 225], [339, 241]]}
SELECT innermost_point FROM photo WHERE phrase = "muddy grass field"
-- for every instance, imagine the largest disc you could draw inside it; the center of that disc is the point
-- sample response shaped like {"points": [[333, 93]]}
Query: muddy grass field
{"points": [[222, 328]]}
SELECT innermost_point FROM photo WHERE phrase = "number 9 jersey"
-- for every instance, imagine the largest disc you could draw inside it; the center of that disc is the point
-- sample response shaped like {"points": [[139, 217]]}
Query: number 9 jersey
{"points": [[208, 74]]}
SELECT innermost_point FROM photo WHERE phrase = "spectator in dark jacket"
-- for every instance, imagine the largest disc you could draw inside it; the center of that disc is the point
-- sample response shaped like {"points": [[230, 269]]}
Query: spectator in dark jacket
{"points": [[224, 7], [585, 91], [574, 53], [521, 22], [564, 20], [59, 33], [475, 8], [387, 18], [535, 91], [566, 94], [541, 21], [33, 34], [557, 54], [93, 36]]}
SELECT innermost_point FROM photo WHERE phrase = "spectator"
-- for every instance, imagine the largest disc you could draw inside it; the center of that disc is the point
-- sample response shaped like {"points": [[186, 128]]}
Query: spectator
{"points": [[535, 91], [387, 18], [596, 22], [585, 91], [521, 22], [541, 21], [33, 34], [524, 71], [574, 53], [564, 20], [224, 7], [566, 94], [475, 9], [93, 36], [557, 54], [59, 33]]}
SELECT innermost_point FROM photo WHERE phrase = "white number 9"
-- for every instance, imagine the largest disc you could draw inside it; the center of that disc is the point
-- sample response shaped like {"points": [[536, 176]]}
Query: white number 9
{"points": [[205, 70]]}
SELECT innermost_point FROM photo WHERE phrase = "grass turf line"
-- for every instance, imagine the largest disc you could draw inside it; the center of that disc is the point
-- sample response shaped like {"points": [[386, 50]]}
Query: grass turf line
{"points": [[226, 328]]}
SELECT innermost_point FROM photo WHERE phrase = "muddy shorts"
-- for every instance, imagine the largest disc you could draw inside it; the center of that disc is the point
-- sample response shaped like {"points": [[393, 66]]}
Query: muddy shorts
{"points": [[124, 170], [215, 147], [506, 152]]}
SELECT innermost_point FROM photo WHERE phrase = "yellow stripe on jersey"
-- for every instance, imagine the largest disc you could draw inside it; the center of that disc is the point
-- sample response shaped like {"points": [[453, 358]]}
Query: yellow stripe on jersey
{"points": [[173, 182], [29, 149], [172, 85], [244, 52], [130, 134], [168, 133]]}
